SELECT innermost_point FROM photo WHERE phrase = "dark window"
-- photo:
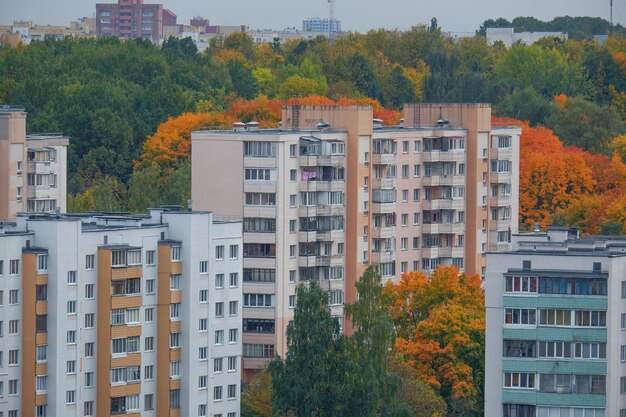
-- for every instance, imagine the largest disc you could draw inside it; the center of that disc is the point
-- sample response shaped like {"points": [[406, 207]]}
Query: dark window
{"points": [[41, 323]]}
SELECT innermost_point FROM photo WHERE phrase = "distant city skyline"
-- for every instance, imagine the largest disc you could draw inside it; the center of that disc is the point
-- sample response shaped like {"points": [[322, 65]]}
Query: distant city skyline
{"points": [[452, 15]]}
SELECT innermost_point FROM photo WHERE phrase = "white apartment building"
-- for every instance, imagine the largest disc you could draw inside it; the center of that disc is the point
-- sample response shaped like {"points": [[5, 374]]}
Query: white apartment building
{"points": [[333, 191], [556, 321], [33, 167], [120, 314]]}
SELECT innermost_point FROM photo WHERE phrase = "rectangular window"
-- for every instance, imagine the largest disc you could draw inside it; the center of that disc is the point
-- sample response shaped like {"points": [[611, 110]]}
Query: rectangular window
{"points": [[234, 251], [219, 337], [89, 350], [88, 408], [150, 257], [219, 309], [176, 253], [42, 262], [217, 393], [174, 340], [175, 369], [232, 391], [90, 261], [71, 307], [519, 380], [217, 365], [232, 336], [70, 367], [219, 253], [232, 363], [260, 149], [175, 282], [14, 326], [70, 397], [233, 308], [14, 266], [14, 357], [148, 372], [520, 284], [149, 314], [260, 199], [554, 317], [71, 337], [149, 286], [202, 353], [520, 316], [42, 353], [148, 402], [202, 382], [202, 325], [204, 267], [89, 320], [89, 291]]}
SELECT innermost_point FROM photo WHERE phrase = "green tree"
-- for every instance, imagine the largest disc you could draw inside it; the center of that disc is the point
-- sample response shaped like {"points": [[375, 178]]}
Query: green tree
{"points": [[297, 86], [143, 190], [176, 188], [244, 83], [525, 104]]}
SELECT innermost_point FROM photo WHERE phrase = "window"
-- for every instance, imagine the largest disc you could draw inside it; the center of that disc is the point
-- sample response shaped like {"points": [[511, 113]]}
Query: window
{"points": [[90, 261], [14, 266], [217, 393], [260, 149], [219, 280], [234, 251], [416, 218], [42, 262], [71, 337], [519, 380], [203, 296], [204, 267], [174, 340], [88, 408], [335, 297], [233, 308], [219, 337], [149, 286], [258, 351], [552, 317], [292, 251], [520, 316], [234, 279], [175, 282], [590, 350], [41, 293], [219, 309], [1, 267], [202, 325], [14, 357], [202, 410], [175, 398], [232, 391], [148, 402], [148, 343], [89, 320], [232, 363], [258, 300], [405, 171], [202, 382], [404, 219], [118, 258], [89, 291], [202, 353], [590, 318], [292, 200], [70, 367], [520, 284], [150, 257], [520, 349], [148, 372], [219, 253], [14, 326], [175, 369], [293, 175], [259, 174], [71, 307], [89, 350], [260, 199], [42, 353], [149, 314], [232, 335], [70, 397], [217, 365], [89, 379]]}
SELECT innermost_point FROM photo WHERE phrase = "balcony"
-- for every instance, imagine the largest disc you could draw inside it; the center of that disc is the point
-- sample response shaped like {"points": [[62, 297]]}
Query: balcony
{"points": [[443, 228], [334, 210], [444, 204], [383, 158], [40, 167], [322, 160], [443, 156], [382, 257], [384, 208], [500, 200], [383, 232], [500, 153], [447, 180], [499, 177], [40, 192], [499, 225], [320, 185], [384, 183]]}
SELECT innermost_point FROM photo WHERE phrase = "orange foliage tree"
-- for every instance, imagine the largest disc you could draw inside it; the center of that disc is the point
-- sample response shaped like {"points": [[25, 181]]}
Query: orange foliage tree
{"points": [[171, 143], [440, 324], [261, 109]]}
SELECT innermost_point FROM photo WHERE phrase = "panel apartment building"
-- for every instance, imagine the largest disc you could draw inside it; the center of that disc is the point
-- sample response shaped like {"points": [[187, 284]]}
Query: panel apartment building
{"points": [[130, 19], [332, 191], [33, 167], [555, 341], [136, 315]]}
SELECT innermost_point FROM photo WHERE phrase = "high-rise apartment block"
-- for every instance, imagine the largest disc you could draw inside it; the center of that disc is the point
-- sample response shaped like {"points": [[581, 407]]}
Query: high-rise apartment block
{"points": [[120, 314], [33, 168], [332, 191], [556, 321], [129, 19]]}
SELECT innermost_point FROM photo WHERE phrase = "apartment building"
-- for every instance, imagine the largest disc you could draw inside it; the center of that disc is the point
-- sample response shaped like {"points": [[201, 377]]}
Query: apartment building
{"points": [[120, 314], [323, 25], [129, 19], [332, 191], [555, 341], [33, 167]]}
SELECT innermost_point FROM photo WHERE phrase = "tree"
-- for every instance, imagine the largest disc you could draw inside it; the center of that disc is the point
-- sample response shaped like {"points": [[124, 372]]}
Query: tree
{"points": [[525, 104], [143, 189], [297, 86], [256, 399], [440, 320], [244, 83]]}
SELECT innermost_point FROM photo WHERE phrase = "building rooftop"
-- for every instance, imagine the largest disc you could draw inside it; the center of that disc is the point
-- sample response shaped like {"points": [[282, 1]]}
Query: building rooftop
{"points": [[10, 108]]}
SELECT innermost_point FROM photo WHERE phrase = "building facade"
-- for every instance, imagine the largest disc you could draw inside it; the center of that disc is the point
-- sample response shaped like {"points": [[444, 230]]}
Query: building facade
{"points": [[108, 314], [33, 167], [555, 342], [324, 200], [508, 36], [325, 25], [130, 19]]}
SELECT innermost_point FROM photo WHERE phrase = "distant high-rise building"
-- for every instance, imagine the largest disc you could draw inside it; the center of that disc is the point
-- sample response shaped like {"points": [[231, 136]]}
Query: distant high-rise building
{"points": [[325, 25], [33, 168], [129, 19]]}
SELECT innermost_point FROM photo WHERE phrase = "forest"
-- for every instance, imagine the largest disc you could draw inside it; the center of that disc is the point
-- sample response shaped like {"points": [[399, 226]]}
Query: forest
{"points": [[129, 107]]}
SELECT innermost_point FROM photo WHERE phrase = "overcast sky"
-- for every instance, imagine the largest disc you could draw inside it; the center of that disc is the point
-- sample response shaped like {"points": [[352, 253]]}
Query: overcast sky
{"points": [[356, 15]]}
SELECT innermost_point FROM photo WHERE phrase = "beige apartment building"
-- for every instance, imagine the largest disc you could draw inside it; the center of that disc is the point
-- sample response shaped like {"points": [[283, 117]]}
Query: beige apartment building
{"points": [[33, 167], [333, 191]]}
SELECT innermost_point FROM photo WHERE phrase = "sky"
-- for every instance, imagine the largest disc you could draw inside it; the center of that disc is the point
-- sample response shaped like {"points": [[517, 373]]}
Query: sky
{"points": [[355, 15]]}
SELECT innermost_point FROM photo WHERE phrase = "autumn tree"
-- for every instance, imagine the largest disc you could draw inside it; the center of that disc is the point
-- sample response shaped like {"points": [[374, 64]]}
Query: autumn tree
{"points": [[440, 320], [256, 399]]}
